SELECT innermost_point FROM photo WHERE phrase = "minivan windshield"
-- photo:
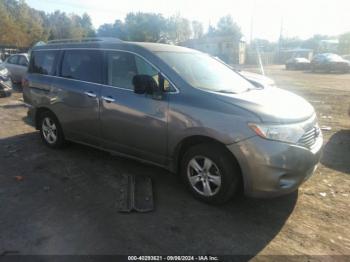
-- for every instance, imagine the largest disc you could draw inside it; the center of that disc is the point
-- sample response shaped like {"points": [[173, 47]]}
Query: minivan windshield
{"points": [[202, 71]]}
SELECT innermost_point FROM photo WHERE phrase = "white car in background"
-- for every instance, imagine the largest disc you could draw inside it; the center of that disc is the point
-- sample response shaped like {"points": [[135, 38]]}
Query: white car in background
{"points": [[17, 66], [5, 82]]}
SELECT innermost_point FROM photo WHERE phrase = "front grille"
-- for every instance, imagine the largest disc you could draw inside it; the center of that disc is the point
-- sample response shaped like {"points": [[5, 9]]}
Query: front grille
{"points": [[309, 137]]}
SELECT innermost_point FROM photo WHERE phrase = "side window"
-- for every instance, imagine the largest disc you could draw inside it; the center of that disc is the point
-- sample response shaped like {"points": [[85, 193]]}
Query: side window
{"points": [[13, 59], [85, 65], [23, 61], [123, 66], [144, 68], [42, 62], [121, 69]]}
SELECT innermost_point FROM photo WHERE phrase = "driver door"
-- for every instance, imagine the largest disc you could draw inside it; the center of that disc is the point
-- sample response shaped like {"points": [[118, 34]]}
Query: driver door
{"points": [[132, 124]]}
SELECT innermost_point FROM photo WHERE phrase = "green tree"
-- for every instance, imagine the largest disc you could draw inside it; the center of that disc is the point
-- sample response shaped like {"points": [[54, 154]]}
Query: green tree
{"points": [[197, 29], [147, 27], [211, 31], [106, 30], [20, 25], [314, 41], [23, 26], [178, 29], [227, 27], [344, 43], [117, 30], [290, 42], [86, 24], [63, 26]]}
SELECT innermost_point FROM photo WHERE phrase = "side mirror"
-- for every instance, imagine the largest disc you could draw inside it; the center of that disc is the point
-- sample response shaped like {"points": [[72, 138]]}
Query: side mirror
{"points": [[145, 84]]}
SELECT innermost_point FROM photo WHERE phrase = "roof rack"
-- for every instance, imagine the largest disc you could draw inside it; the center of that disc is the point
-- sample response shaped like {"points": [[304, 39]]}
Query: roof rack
{"points": [[85, 40]]}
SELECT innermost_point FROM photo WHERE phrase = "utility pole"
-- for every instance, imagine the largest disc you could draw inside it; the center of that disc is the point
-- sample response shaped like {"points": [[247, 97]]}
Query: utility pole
{"points": [[252, 22], [280, 40]]}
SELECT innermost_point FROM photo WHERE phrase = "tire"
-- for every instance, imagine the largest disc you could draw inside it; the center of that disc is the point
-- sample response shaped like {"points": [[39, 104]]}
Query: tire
{"points": [[223, 178], [50, 130]]}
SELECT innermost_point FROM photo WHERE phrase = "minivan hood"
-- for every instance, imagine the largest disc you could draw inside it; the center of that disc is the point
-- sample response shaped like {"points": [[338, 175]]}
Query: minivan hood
{"points": [[272, 105]]}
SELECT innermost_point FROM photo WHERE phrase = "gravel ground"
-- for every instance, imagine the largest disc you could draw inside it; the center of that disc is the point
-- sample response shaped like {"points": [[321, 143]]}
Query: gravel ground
{"points": [[65, 201]]}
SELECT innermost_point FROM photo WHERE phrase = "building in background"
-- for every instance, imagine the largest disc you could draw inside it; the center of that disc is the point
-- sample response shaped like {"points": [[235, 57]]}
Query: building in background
{"points": [[328, 46], [7, 50], [226, 48]]}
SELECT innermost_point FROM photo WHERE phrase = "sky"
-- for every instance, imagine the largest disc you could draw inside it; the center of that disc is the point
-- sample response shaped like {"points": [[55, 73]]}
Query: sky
{"points": [[257, 18]]}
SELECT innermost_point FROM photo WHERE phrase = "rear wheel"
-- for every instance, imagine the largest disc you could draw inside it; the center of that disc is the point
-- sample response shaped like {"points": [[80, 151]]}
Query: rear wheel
{"points": [[210, 173], [50, 130]]}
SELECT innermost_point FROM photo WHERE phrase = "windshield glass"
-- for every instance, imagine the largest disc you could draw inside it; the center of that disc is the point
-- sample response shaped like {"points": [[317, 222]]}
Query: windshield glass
{"points": [[202, 71]]}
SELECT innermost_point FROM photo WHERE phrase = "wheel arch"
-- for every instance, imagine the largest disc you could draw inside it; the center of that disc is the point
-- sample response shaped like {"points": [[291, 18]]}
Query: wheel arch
{"points": [[38, 112], [190, 141]]}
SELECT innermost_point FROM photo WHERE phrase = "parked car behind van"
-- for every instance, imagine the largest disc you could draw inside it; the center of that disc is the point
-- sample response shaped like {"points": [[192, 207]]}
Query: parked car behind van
{"points": [[5, 82], [346, 57], [176, 108], [329, 62], [297, 63], [17, 65]]}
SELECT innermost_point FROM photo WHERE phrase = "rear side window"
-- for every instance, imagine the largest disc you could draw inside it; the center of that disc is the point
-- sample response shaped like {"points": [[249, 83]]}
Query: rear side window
{"points": [[22, 61], [42, 62], [13, 59], [85, 65]]}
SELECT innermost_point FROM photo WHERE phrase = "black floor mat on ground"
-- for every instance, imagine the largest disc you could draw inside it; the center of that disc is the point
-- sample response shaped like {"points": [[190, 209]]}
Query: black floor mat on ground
{"points": [[136, 194]]}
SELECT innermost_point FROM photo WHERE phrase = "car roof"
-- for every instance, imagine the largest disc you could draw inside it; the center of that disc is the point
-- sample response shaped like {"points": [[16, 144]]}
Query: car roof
{"points": [[114, 44], [157, 47]]}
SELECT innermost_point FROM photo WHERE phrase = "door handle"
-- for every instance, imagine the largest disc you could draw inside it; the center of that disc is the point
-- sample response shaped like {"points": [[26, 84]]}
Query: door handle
{"points": [[108, 99], [90, 94]]}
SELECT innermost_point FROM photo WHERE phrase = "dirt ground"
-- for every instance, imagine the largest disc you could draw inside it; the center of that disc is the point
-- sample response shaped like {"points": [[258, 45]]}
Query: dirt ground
{"points": [[65, 201]]}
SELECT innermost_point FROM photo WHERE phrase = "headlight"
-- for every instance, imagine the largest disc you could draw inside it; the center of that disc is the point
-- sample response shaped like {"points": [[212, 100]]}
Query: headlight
{"points": [[4, 71], [284, 133]]}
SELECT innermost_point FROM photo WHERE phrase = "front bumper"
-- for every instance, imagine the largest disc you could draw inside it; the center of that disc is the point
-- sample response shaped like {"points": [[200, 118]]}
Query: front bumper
{"points": [[272, 168], [342, 67]]}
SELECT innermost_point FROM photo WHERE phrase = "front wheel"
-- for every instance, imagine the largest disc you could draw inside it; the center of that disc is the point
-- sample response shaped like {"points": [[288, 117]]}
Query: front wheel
{"points": [[210, 173], [50, 130]]}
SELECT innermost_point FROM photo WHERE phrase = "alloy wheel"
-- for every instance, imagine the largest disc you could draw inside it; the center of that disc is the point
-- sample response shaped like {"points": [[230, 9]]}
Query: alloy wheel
{"points": [[204, 176], [49, 130]]}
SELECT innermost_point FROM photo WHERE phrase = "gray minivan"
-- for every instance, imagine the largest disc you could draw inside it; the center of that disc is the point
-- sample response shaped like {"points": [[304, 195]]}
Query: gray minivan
{"points": [[176, 108]]}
